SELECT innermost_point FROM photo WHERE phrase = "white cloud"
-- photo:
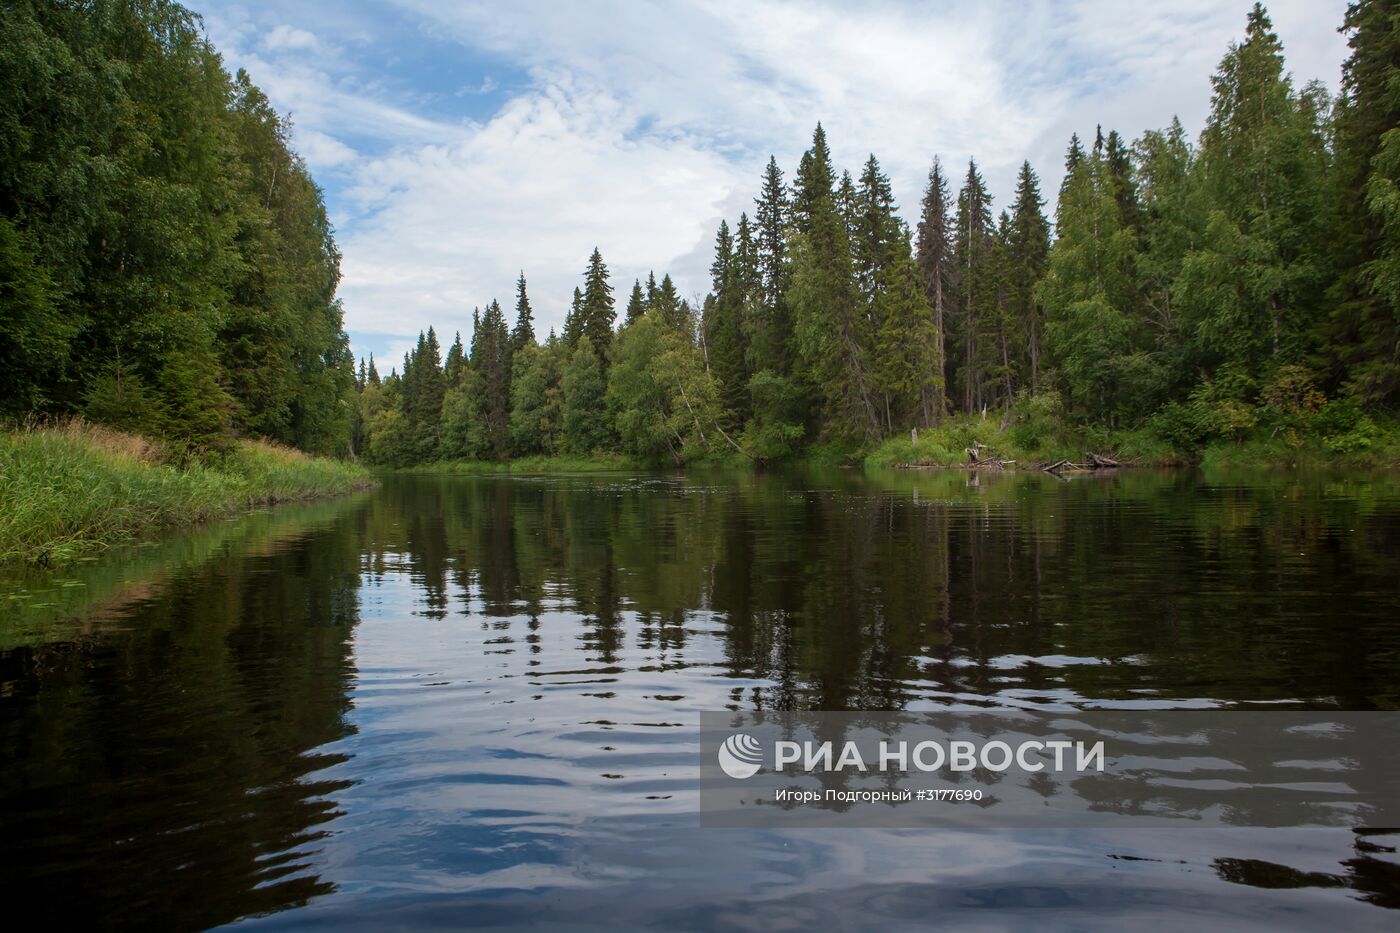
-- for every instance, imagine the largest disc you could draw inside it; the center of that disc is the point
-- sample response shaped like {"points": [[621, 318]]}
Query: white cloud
{"points": [[642, 124], [289, 38]]}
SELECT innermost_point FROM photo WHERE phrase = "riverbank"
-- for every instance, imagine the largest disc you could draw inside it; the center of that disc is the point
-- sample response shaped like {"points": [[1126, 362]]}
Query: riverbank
{"points": [[595, 463], [71, 489], [1365, 444]]}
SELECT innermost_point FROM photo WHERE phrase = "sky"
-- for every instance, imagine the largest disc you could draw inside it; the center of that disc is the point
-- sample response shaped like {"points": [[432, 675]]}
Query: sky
{"points": [[460, 143]]}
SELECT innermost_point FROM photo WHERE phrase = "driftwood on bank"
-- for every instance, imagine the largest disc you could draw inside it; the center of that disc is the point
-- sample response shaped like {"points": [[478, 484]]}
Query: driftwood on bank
{"points": [[1092, 461], [983, 457]]}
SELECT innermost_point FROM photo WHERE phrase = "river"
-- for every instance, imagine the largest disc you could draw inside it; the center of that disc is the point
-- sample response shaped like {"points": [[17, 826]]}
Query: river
{"points": [[473, 700]]}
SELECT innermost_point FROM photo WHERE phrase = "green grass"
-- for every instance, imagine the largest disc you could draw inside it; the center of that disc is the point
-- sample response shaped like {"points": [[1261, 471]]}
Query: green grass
{"points": [[1033, 446], [946, 446], [73, 488], [596, 463]]}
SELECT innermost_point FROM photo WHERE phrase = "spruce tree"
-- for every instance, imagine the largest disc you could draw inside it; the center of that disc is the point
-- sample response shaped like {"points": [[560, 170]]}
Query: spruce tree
{"points": [[636, 303], [523, 333], [456, 361], [1250, 295], [669, 306], [573, 321], [722, 326], [597, 308], [583, 409], [771, 347], [815, 177], [876, 225], [1361, 336], [936, 264], [491, 363], [1120, 172], [973, 237], [1028, 247], [829, 321], [1087, 292]]}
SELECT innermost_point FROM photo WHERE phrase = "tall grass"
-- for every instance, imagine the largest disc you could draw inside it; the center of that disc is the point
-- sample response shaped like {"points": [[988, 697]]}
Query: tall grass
{"points": [[71, 488]]}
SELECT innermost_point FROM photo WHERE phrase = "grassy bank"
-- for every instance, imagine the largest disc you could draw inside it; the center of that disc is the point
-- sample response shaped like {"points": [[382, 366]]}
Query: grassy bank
{"points": [[1032, 446], [596, 463], [73, 488]]}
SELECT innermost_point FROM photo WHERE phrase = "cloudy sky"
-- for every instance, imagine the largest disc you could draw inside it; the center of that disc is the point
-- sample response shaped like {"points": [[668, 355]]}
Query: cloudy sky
{"points": [[460, 143]]}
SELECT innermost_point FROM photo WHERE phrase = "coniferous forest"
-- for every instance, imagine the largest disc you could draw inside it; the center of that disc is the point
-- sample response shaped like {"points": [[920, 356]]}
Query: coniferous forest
{"points": [[169, 269]]}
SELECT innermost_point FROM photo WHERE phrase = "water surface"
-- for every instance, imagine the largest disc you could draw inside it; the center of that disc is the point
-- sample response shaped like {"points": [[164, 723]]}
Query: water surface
{"points": [[473, 701]]}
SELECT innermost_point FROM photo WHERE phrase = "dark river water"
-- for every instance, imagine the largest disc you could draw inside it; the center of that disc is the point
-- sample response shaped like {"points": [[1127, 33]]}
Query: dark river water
{"points": [[474, 701]]}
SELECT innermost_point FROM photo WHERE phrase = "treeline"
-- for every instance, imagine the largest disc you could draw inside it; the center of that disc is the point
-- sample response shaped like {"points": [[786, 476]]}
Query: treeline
{"points": [[1194, 290], [166, 263]]}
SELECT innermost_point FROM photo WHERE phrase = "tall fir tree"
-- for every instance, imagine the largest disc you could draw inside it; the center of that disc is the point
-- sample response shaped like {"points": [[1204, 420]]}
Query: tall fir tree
{"points": [[815, 178], [974, 235], [573, 321], [523, 334], [1361, 336], [772, 340], [723, 329], [491, 361], [636, 303], [1253, 291], [1028, 248], [937, 266], [597, 308]]}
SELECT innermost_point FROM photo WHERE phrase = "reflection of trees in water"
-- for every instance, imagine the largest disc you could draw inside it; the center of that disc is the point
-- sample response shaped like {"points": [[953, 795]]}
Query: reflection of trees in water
{"points": [[164, 774], [1372, 872], [851, 592]]}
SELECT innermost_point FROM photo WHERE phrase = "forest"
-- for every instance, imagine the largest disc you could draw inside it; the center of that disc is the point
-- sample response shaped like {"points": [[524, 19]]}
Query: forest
{"points": [[169, 269], [167, 266]]}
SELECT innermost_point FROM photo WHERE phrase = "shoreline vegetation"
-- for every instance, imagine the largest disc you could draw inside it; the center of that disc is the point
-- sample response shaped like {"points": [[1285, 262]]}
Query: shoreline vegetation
{"points": [[71, 489], [1230, 298]]}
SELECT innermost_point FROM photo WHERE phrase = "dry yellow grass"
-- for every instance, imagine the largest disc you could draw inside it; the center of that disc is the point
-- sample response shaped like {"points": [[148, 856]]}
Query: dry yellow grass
{"points": [[100, 438]]}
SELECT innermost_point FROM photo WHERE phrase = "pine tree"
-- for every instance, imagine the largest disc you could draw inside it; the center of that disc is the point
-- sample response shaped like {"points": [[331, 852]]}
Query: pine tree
{"points": [[523, 333], [373, 373]]}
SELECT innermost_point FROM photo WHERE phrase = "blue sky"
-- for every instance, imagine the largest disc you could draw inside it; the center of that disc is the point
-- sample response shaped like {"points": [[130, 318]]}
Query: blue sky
{"points": [[461, 143]]}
